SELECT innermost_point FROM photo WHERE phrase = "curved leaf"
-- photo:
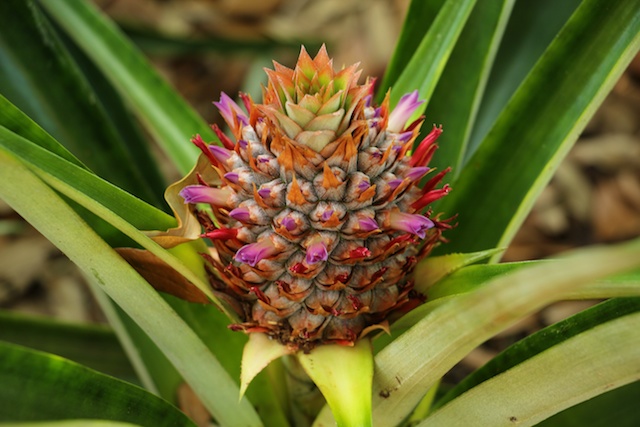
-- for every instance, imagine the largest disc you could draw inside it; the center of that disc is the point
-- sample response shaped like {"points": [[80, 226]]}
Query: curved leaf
{"points": [[531, 28], [457, 96], [544, 340], [427, 62], [344, 375], [434, 269], [80, 196], [44, 155], [71, 423], [470, 278], [32, 383], [554, 367], [166, 115], [499, 184], [19, 123], [418, 20], [61, 225], [410, 365], [91, 345], [600, 411], [39, 75]]}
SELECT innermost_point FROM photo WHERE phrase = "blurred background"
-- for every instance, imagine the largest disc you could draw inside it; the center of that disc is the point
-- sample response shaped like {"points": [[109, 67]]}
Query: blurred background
{"points": [[204, 47]]}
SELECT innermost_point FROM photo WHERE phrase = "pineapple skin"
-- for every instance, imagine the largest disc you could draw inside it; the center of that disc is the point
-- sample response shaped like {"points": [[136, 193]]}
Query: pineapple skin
{"points": [[317, 224]]}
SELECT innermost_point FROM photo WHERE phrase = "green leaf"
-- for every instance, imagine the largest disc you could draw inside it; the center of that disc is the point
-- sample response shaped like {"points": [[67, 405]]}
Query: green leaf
{"points": [[414, 361], [344, 375], [500, 183], [531, 28], [37, 386], [457, 96], [19, 123], [434, 269], [166, 115], [543, 340], [210, 324], [138, 213], [45, 153], [474, 277], [419, 19], [38, 74], [154, 371], [128, 128], [600, 411], [91, 345], [109, 203], [91, 198], [551, 366], [258, 353], [157, 43], [71, 423], [469, 278], [427, 62], [61, 225]]}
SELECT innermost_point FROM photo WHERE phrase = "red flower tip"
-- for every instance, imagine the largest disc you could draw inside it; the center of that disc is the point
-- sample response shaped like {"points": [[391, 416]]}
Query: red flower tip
{"points": [[298, 268], [342, 278], [355, 302], [422, 155], [430, 197], [199, 142], [224, 139], [360, 252], [221, 233]]}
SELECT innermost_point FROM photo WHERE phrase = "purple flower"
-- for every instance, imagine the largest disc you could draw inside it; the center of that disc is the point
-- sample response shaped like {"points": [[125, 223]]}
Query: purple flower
{"points": [[220, 153], [416, 173], [233, 177], [264, 193], [228, 109], [255, 252], [289, 223], [405, 136], [326, 215], [240, 214], [394, 183], [407, 105], [411, 223], [364, 185], [204, 194], [316, 252], [368, 224]]}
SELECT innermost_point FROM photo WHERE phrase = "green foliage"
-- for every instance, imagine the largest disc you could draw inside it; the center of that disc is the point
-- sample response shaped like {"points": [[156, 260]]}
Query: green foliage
{"points": [[512, 82], [31, 379]]}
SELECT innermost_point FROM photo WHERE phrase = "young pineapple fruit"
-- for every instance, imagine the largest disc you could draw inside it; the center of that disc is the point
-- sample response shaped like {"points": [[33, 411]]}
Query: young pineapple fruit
{"points": [[319, 221]]}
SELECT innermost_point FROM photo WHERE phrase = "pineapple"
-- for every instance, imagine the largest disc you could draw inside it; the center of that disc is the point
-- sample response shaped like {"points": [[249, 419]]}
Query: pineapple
{"points": [[318, 220]]}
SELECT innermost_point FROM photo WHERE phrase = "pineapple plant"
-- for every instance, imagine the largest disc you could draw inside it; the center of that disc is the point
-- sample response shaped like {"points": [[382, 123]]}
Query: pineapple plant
{"points": [[390, 379], [315, 213]]}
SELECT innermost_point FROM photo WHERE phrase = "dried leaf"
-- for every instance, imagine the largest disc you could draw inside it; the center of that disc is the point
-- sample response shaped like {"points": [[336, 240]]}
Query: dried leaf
{"points": [[188, 226], [162, 277]]}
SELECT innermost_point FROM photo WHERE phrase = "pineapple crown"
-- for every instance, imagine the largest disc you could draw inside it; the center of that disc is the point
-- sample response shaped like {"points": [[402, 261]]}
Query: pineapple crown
{"points": [[316, 220]]}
